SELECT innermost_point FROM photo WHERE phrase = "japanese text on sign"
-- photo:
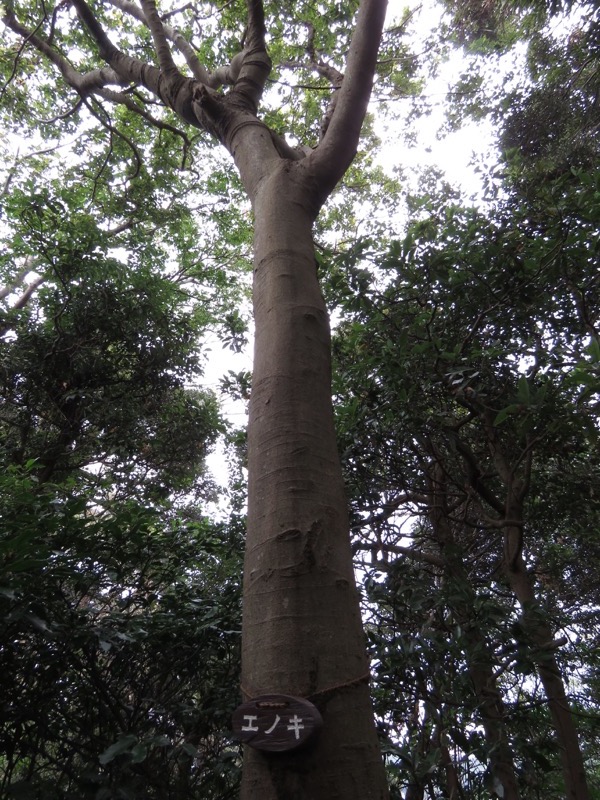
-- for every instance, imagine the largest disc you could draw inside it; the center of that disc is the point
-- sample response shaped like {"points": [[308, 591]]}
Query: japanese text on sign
{"points": [[276, 722]]}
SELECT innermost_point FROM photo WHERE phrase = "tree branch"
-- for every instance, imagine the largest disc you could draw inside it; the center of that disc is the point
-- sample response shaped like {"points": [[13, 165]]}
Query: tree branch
{"points": [[64, 115], [225, 75], [86, 84], [475, 475], [104, 119], [159, 37], [254, 63], [126, 100], [255, 35], [338, 147], [414, 555], [83, 84], [173, 89], [22, 301], [388, 509], [126, 67], [28, 265], [187, 51], [327, 71], [176, 11]]}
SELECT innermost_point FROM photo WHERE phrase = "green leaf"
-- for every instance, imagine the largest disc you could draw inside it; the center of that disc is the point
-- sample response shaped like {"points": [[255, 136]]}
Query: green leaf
{"points": [[593, 349], [122, 745], [505, 413], [138, 753], [523, 393]]}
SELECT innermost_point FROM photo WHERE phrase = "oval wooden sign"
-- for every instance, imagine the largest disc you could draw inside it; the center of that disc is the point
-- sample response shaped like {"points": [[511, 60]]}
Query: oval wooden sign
{"points": [[276, 722]]}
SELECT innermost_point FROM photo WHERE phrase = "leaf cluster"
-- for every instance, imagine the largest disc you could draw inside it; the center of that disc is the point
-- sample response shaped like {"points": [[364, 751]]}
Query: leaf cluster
{"points": [[120, 630]]}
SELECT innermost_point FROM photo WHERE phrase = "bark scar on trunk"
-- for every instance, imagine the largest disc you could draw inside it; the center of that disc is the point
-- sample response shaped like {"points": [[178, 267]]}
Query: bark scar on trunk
{"points": [[308, 540], [289, 533], [310, 543]]}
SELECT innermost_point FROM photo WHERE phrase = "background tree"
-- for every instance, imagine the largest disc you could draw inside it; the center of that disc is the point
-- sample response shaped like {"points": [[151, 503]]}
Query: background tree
{"points": [[123, 648], [467, 374], [475, 382], [120, 601], [466, 393]]}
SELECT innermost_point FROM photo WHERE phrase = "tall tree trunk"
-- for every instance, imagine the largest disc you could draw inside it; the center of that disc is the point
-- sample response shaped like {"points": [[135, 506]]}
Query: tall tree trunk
{"points": [[480, 662], [516, 476], [540, 638], [302, 625], [302, 631]]}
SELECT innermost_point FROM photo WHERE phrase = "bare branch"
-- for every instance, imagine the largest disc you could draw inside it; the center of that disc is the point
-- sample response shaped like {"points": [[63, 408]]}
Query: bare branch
{"points": [[176, 11], [475, 475], [64, 115], [28, 293], [222, 76], [287, 151], [336, 151], [129, 69], [414, 555], [328, 71], [172, 88], [9, 179], [184, 47], [488, 522], [256, 25], [254, 61], [161, 45], [122, 227], [18, 279], [84, 84]]}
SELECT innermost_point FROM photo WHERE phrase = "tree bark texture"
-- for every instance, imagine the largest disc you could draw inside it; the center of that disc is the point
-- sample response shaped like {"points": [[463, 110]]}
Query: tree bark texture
{"points": [[302, 625], [302, 629]]}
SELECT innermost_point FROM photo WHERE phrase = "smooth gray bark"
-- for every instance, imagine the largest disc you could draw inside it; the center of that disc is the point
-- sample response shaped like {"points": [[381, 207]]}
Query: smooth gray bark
{"points": [[302, 633]]}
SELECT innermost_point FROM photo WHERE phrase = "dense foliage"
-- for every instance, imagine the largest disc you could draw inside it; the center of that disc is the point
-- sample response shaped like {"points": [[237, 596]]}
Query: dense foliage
{"points": [[121, 633], [467, 385], [476, 381], [120, 599]]}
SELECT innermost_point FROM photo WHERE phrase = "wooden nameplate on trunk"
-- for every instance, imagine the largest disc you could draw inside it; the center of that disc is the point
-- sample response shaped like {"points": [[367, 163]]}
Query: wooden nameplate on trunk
{"points": [[276, 722]]}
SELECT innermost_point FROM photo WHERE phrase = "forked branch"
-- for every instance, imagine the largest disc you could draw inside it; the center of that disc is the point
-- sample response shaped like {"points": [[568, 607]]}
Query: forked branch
{"points": [[180, 42], [254, 62]]}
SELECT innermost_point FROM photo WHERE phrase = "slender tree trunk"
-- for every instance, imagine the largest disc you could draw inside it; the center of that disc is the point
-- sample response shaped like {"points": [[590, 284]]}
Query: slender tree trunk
{"points": [[515, 474], [480, 662], [418, 741], [491, 712], [302, 625], [541, 636], [453, 784]]}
